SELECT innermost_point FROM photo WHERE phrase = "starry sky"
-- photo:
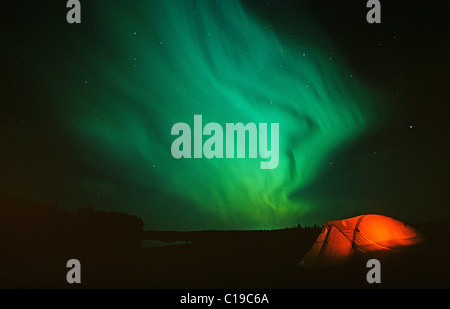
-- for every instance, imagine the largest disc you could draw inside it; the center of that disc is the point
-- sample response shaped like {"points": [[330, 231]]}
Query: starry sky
{"points": [[87, 109]]}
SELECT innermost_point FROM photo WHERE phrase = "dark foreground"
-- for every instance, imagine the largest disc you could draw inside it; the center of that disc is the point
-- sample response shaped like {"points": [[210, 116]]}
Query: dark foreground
{"points": [[260, 259], [35, 254]]}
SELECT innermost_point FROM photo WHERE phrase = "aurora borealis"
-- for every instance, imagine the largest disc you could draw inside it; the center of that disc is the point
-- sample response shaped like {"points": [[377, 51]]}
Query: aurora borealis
{"points": [[92, 116]]}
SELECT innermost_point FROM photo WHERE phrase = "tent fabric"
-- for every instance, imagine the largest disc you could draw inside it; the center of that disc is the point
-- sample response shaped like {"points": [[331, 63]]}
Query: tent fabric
{"points": [[342, 240]]}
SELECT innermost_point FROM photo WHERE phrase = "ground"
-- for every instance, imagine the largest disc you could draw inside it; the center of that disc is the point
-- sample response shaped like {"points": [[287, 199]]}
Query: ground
{"points": [[235, 260]]}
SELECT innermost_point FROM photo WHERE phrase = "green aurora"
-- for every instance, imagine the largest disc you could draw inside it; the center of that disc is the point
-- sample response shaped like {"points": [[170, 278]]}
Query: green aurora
{"points": [[133, 69]]}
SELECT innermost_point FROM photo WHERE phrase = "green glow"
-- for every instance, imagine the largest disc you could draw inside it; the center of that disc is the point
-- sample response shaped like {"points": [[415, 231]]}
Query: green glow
{"points": [[152, 64]]}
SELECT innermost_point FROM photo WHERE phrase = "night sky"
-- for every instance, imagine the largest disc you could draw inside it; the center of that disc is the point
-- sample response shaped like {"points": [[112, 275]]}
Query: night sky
{"points": [[87, 109]]}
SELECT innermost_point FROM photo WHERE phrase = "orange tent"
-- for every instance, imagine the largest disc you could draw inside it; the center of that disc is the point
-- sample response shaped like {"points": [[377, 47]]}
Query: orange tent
{"points": [[343, 240]]}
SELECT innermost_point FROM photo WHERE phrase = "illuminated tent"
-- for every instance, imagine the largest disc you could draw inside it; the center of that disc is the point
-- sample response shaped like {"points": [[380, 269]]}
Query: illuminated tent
{"points": [[343, 240]]}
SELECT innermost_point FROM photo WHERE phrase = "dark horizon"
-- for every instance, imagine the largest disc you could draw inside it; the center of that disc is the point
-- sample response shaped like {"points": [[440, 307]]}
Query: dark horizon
{"points": [[112, 252]]}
